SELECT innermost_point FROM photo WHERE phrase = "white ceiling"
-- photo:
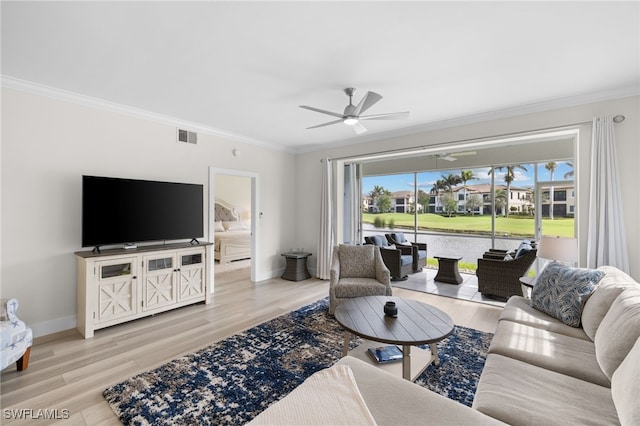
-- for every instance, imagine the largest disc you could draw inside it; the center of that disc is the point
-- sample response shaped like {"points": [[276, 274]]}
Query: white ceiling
{"points": [[243, 68]]}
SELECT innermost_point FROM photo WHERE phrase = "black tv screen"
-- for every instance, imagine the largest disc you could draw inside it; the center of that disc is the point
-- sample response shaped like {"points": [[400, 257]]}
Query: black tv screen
{"points": [[118, 211]]}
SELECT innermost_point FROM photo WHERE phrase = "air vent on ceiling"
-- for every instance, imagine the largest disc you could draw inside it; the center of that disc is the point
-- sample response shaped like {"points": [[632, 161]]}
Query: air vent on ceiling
{"points": [[187, 136]]}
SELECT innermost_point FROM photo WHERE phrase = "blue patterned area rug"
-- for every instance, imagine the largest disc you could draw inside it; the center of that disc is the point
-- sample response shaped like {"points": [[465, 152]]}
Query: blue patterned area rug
{"points": [[232, 381]]}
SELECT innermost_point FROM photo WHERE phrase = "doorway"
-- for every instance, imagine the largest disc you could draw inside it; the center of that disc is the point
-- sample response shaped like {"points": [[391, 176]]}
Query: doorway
{"points": [[233, 200]]}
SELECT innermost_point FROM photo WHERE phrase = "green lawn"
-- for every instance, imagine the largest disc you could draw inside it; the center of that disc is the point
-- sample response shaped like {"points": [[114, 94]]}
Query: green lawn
{"points": [[515, 226]]}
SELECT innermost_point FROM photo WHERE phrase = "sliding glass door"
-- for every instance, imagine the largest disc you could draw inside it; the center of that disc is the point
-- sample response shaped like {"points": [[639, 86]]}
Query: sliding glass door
{"points": [[467, 211]]}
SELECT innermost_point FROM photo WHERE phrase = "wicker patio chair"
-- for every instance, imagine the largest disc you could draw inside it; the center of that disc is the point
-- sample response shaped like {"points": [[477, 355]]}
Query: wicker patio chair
{"points": [[399, 260], [500, 278], [357, 271], [419, 255]]}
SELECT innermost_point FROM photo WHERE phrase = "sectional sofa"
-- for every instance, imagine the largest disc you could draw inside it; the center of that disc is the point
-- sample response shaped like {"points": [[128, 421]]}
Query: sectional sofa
{"points": [[539, 370]]}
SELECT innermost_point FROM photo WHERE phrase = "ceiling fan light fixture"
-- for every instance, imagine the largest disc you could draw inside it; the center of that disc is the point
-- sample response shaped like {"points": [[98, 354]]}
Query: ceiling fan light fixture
{"points": [[352, 113]]}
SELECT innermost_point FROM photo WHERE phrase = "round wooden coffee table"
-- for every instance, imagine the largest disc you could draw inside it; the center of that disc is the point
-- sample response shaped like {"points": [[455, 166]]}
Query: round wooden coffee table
{"points": [[416, 324]]}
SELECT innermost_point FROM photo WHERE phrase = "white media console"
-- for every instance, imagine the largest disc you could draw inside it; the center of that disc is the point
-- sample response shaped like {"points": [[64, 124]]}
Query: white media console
{"points": [[119, 285]]}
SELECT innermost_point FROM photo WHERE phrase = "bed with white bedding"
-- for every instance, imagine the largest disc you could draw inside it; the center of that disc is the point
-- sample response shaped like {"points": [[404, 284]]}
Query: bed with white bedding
{"points": [[232, 239]]}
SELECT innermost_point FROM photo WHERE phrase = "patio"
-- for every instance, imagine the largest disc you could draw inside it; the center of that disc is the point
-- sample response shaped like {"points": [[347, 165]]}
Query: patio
{"points": [[424, 282]]}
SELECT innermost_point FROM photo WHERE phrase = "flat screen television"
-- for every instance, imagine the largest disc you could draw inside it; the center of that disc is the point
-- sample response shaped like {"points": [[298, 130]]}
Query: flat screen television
{"points": [[129, 211]]}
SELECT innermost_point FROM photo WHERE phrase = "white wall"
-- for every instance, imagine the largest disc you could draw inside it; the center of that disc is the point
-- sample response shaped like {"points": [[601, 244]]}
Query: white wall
{"points": [[235, 190], [48, 144], [308, 176]]}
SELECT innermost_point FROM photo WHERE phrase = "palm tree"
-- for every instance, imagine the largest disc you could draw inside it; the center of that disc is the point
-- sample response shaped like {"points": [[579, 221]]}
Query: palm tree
{"points": [[570, 173], [509, 177], [500, 200], [551, 166], [465, 176], [438, 186], [450, 181]]}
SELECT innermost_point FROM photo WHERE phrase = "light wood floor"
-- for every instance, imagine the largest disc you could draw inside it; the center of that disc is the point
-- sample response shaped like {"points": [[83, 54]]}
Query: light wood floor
{"points": [[67, 372]]}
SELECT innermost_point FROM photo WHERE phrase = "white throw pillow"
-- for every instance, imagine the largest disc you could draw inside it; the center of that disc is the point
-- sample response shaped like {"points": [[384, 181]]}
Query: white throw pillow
{"points": [[232, 226], [217, 226]]}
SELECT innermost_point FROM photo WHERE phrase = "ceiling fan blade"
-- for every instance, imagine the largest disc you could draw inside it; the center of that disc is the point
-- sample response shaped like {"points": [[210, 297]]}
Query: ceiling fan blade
{"points": [[359, 128], [389, 116], [460, 154], [322, 111], [326, 124], [369, 99], [448, 158]]}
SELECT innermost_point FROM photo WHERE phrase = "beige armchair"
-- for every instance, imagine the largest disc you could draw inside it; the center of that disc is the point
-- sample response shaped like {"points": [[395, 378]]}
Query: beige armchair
{"points": [[357, 271]]}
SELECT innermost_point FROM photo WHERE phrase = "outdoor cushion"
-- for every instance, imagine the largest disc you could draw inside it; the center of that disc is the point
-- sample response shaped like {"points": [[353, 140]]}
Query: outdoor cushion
{"points": [[379, 240], [399, 238], [598, 304], [618, 331], [405, 259], [523, 248], [357, 261], [625, 387], [561, 291]]}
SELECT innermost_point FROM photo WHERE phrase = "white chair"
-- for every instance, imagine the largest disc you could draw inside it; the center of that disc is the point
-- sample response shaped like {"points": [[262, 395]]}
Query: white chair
{"points": [[15, 337]]}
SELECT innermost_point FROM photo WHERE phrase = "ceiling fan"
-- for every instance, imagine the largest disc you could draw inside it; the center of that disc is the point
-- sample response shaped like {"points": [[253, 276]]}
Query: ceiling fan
{"points": [[351, 116], [452, 157]]}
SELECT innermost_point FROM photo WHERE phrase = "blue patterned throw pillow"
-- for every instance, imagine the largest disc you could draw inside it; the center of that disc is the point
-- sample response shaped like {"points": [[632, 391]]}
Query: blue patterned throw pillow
{"points": [[561, 291]]}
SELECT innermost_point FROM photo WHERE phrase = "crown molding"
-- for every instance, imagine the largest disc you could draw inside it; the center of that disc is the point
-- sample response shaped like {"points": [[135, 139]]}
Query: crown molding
{"points": [[571, 101], [97, 103], [567, 102]]}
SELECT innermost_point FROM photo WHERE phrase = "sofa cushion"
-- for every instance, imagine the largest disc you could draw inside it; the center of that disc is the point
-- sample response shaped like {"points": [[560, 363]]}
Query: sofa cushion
{"points": [[517, 309], [618, 331], [598, 304], [329, 396], [522, 394], [561, 291], [625, 387], [357, 261], [394, 401], [551, 351], [355, 287]]}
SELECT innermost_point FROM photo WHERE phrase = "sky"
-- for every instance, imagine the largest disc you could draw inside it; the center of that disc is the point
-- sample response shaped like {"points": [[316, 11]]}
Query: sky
{"points": [[404, 182]]}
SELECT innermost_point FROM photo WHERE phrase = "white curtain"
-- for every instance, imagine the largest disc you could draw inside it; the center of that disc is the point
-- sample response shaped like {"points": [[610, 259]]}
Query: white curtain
{"points": [[353, 204], [606, 241], [326, 237]]}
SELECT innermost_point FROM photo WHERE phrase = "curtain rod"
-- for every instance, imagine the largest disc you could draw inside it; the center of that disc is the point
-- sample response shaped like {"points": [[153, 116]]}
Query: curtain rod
{"points": [[616, 119]]}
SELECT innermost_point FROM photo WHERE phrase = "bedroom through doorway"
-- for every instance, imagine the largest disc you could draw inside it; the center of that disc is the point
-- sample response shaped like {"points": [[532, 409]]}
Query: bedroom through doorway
{"points": [[231, 199]]}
